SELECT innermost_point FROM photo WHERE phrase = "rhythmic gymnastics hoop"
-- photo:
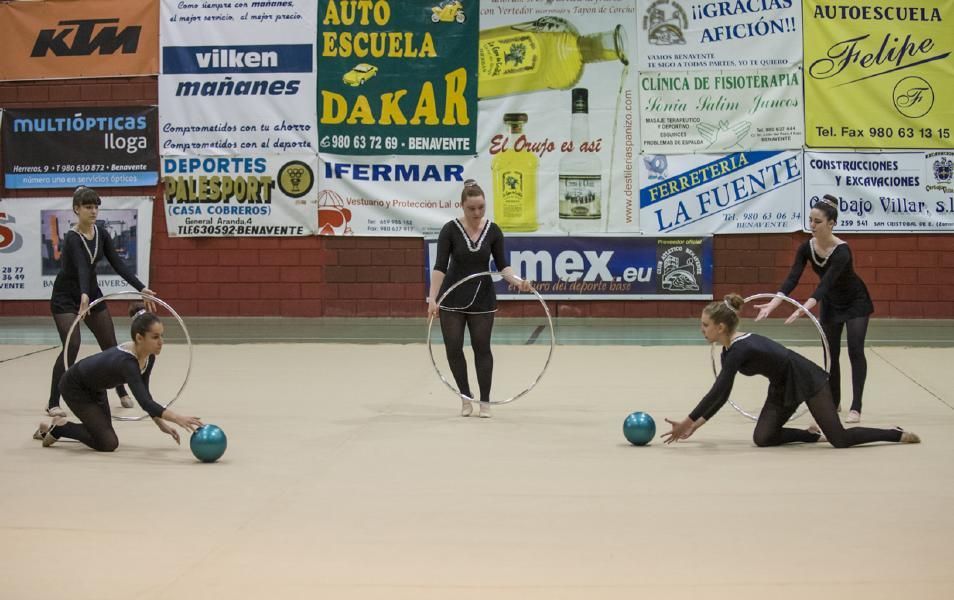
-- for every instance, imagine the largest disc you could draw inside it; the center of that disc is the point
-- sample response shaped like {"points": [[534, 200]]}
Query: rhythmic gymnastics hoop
{"points": [[450, 386], [821, 335], [146, 298]]}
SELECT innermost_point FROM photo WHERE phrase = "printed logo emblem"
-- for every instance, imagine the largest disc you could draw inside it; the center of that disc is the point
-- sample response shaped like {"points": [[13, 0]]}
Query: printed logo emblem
{"points": [[295, 179], [664, 23], [333, 217], [913, 97], [656, 165], [9, 240], [107, 39], [679, 269]]}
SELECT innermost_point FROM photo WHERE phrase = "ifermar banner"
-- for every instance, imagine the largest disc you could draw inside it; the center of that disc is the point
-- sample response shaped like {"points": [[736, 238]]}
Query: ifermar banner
{"points": [[237, 78], [239, 196], [32, 233], [896, 192], [720, 111], [68, 147], [879, 75], [701, 194], [66, 40], [742, 34], [397, 77], [556, 142], [605, 267]]}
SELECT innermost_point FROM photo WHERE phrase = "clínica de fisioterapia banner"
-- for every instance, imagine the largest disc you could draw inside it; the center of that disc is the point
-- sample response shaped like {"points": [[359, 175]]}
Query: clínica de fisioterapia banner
{"points": [[879, 75]]}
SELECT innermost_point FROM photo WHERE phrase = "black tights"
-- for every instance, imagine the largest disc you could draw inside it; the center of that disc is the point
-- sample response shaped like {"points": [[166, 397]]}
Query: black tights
{"points": [[857, 329], [95, 428], [481, 326], [770, 429], [101, 324]]}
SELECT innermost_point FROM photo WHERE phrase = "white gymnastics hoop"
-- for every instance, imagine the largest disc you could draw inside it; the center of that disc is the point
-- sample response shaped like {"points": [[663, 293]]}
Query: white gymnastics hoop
{"points": [[430, 349], [821, 335], [146, 298]]}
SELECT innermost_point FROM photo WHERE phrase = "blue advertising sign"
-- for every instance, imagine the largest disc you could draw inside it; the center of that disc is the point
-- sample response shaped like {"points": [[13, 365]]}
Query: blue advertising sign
{"points": [[605, 268]]}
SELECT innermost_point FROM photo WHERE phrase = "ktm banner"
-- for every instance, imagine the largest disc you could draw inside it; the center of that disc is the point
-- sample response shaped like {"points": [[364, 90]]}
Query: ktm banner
{"points": [[64, 39]]}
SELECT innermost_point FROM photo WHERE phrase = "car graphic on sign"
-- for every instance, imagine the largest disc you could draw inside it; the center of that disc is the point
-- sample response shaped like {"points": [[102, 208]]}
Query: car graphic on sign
{"points": [[359, 74]]}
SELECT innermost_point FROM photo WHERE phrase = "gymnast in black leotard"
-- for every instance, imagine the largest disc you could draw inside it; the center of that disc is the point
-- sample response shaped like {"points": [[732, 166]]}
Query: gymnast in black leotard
{"points": [[793, 379], [464, 247], [85, 383], [75, 287], [845, 302]]}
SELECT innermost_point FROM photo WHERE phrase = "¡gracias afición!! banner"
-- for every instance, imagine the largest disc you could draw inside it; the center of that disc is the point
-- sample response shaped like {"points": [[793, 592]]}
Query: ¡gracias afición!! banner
{"points": [[67, 147], [239, 195], [32, 232], [605, 268], [237, 77], [898, 192]]}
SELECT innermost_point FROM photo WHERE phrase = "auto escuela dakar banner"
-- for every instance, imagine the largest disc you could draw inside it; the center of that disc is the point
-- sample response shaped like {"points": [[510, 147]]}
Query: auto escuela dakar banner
{"points": [[700, 194], [879, 75], [65, 39], [32, 233], [682, 112], [67, 147], [556, 140], [678, 35], [885, 192], [237, 78], [226, 196], [604, 268]]}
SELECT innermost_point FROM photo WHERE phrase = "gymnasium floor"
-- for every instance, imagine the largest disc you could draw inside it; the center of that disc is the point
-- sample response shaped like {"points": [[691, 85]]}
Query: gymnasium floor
{"points": [[349, 474]]}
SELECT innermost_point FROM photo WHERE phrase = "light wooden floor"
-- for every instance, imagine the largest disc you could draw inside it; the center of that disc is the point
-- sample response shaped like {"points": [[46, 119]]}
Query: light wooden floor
{"points": [[349, 475]]}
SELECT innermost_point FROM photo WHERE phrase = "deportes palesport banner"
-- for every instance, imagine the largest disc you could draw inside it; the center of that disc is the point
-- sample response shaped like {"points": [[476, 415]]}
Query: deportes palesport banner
{"points": [[605, 268], [700, 194], [898, 192], [398, 77], [742, 34], [879, 75], [236, 196], [703, 111], [556, 141], [237, 77], [63, 39], [32, 231], [67, 147]]}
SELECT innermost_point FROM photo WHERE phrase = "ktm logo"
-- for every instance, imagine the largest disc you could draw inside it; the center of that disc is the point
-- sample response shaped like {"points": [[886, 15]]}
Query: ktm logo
{"points": [[107, 40]]}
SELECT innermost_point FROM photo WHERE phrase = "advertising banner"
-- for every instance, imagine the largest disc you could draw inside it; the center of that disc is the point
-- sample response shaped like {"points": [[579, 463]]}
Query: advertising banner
{"points": [[556, 141], [879, 75], [884, 192], [605, 268], [60, 39], [239, 196], [398, 77], [67, 147], [702, 111], [237, 78], [678, 35], [32, 231], [744, 192]]}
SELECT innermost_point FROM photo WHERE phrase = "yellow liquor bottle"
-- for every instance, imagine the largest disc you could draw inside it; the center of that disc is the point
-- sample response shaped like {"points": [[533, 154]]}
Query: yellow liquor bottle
{"points": [[548, 53], [515, 181]]}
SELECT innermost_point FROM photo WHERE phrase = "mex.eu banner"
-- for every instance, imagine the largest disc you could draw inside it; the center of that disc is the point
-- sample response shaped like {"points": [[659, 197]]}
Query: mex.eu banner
{"points": [[721, 111], [32, 234], [703, 194], [879, 75], [605, 268], [67, 147], [397, 77], [239, 196], [884, 192]]}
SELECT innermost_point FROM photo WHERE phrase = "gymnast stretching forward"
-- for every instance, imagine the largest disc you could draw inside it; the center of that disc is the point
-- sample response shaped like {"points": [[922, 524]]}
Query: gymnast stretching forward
{"points": [[84, 388], [793, 379], [75, 287], [464, 247]]}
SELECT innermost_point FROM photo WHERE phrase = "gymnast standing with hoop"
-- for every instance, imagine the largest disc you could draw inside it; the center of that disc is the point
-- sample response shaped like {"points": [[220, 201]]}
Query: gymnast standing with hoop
{"points": [[793, 379], [845, 301], [84, 245], [464, 247], [85, 383]]}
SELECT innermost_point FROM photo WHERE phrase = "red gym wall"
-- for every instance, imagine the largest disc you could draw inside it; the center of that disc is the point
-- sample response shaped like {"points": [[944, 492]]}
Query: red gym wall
{"points": [[909, 276]]}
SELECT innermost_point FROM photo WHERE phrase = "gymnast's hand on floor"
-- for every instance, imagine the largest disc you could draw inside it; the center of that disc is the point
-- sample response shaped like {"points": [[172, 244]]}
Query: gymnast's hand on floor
{"points": [[680, 430]]}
